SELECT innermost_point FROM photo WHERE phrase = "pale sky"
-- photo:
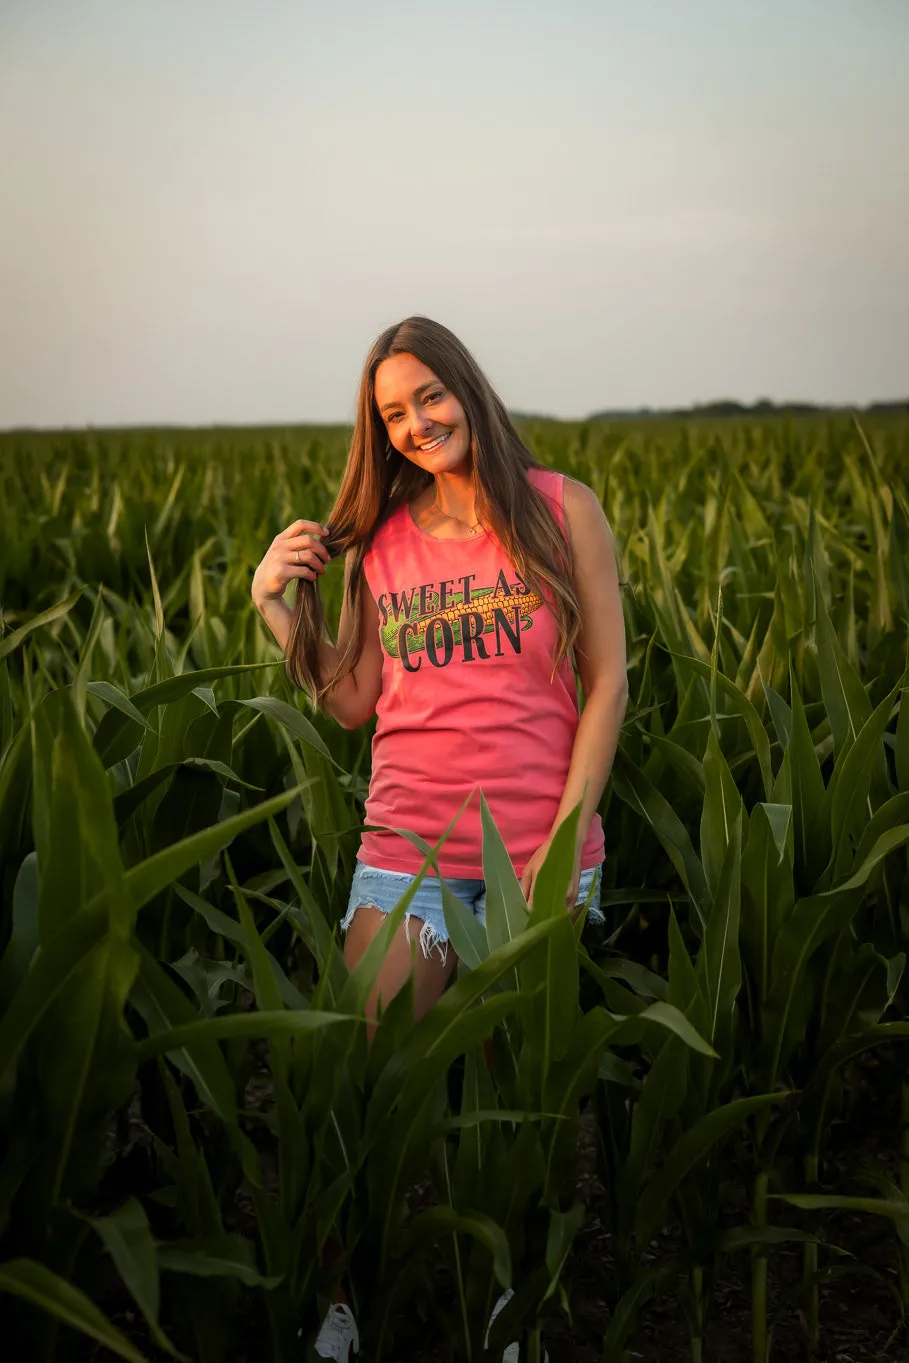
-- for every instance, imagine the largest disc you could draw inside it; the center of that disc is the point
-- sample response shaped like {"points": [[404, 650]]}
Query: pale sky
{"points": [[210, 208]]}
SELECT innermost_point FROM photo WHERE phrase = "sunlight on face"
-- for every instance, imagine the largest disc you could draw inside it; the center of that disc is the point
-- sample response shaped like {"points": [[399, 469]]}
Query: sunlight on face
{"points": [[424, 420]]}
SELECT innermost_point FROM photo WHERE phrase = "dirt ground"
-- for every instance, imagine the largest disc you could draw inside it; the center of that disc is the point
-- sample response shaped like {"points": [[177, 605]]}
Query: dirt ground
{"points": [[860, 1317], [860, 1314]]}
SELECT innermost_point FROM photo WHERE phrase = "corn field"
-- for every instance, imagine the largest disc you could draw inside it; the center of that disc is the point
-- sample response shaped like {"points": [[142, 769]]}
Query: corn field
{"points": [[188, 1109]]}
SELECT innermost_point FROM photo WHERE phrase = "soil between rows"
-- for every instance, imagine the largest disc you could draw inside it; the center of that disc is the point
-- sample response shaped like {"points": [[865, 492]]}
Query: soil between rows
{"points": [[860, 1318], [859, 1312]]}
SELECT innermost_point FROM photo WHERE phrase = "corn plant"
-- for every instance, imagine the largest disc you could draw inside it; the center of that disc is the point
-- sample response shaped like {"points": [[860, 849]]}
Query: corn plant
{"points": [[188, 1103]]}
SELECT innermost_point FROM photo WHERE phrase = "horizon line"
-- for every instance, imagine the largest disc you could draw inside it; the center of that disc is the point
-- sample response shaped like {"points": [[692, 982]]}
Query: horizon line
{"points": [[713, 407]]}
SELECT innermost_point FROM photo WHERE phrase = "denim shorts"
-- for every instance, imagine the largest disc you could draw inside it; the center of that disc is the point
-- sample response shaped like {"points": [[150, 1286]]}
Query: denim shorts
{"points": [[377, 889]]}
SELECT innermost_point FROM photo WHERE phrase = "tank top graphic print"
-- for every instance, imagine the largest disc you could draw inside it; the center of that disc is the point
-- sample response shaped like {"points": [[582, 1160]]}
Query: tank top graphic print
{"points": [[469, 700]]}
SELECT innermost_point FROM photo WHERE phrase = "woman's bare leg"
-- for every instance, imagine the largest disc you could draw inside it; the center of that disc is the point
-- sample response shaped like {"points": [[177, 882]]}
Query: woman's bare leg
{"points": [[404, 954]]}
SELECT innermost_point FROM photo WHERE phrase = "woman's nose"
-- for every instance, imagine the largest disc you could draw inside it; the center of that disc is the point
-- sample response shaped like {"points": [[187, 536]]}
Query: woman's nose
{"points": [[420, 424]]}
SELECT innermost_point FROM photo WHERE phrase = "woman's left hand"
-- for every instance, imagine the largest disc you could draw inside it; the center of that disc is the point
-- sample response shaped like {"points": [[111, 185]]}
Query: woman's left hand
{"points": [[531, 869]]}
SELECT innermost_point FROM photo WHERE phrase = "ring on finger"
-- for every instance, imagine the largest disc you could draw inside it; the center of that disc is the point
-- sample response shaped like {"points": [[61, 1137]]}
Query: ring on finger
{"points": [[297, 553]]}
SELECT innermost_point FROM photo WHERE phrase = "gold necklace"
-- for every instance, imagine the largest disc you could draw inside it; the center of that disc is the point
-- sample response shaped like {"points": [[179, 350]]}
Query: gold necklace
{"points": [[471, 529]]}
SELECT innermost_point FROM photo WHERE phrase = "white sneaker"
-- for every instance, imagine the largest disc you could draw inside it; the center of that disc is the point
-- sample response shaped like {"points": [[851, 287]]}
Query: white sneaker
{"points": [[512, 1353], [339, 1334]]}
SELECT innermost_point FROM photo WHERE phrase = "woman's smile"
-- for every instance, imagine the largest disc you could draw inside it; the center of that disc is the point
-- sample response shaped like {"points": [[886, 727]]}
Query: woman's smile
{"points": [[435, 443], [422, 417]]}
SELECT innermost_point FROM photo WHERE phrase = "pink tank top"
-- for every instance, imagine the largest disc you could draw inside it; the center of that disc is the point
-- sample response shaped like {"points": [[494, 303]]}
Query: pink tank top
{"points": [[468, 700]]}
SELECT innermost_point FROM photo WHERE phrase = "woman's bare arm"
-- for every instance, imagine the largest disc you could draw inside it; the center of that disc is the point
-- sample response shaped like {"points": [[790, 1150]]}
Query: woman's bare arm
{"points": [[601, 661], [353, 701]]}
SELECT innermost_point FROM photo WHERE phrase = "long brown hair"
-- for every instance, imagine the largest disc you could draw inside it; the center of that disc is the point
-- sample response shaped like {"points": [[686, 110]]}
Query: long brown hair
{"points": [[378, 479]]}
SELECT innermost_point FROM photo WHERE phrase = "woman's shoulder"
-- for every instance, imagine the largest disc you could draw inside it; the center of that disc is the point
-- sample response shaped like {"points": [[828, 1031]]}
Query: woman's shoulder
{"points": [[548, 481], [557, 484], [576, 505], [584, 514], [564, 493], [551, 484]]}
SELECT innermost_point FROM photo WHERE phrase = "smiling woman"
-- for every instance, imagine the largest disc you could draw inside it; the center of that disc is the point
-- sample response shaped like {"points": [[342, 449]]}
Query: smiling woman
{"points": [[420, 383], [475, 580], [428, 426], [431, 430]]}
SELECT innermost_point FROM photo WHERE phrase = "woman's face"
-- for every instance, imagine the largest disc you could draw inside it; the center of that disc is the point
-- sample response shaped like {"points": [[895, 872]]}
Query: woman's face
{"points": [[425, 422]]}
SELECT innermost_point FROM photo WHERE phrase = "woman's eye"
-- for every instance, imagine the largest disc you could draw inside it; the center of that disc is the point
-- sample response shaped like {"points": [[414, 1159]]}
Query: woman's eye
{"points": [[433, 397]]}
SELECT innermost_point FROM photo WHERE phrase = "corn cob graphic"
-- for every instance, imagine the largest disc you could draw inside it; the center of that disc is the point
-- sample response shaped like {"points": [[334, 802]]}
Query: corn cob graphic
{"points": [[482, 603]]}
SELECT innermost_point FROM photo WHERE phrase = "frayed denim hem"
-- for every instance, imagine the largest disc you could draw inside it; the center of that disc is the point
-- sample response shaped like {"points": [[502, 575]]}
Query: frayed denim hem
{"points": [[430, 938]]}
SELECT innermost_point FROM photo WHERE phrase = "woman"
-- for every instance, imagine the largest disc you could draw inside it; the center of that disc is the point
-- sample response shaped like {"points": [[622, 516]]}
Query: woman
{"points": [[473, 575]]}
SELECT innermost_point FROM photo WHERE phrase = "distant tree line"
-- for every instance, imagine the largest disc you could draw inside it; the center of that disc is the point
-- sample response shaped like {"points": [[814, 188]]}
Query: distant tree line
{"points": [[730, 407], [763, 407]]}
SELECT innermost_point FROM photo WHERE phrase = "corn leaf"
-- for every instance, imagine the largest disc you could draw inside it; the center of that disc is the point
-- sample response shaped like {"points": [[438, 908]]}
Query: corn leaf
{"points": [[35, 1283]]}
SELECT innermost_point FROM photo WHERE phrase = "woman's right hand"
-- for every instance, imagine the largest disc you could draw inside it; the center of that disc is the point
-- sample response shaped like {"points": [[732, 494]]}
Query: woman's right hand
{"points": [[295, 552]]}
